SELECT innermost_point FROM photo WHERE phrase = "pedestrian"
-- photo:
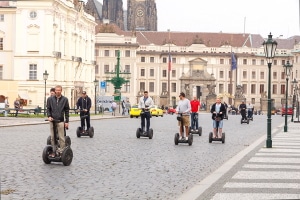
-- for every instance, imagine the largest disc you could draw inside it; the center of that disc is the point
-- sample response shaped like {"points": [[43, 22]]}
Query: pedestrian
{"points": [[195, 107], [123, 107], [58, 109], [84, 104], [183, 109], [113, 108], [128, 107], [6, 106], [17, 106]]}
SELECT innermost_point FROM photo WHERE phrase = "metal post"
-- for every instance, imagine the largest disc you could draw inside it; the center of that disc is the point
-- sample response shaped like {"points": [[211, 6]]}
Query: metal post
{"points": [[95, 100], [286, 104], [293, 106], [45, 99], [269, 119]]}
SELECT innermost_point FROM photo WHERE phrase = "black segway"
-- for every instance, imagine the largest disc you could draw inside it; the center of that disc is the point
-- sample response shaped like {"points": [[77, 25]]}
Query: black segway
{"points": [[193, 129], [177, 135], [140, 131], [66, 156], [82, 132], [217, 119], [245, 120]]}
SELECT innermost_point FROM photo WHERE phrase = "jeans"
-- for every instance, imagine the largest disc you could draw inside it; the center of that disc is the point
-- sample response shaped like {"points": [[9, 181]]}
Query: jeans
{"points": [[87, 119], [194, 119], [147, 116], [250, 113]]}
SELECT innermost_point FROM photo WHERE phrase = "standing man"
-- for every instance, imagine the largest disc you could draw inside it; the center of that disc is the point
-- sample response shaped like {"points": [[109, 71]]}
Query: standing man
{"points": [[6, 106], [113, 108], [17, 106], [184, 108], [123, 107], [58, 109], [84, 104], [145, 104], [195, 106], [217, 110], [243, 110], [52, 92]]}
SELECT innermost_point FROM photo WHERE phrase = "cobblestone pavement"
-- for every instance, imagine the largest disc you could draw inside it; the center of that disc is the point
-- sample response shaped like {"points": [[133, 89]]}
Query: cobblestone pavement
{"points": [[115, 164]]}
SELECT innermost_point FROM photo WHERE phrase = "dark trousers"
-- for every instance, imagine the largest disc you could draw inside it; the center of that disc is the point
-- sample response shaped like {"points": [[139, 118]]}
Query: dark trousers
{"points": [[17, 111], [243, 113], [194, 119], [147, 116], [250, 113], [87, 119]]}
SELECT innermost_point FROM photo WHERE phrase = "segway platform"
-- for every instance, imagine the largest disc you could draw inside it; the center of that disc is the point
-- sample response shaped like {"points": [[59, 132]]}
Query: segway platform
{"points": [[177, 140], [196, 131], [81, 132], [210, 136], [141, 133], [245, 121], [65, 157]]}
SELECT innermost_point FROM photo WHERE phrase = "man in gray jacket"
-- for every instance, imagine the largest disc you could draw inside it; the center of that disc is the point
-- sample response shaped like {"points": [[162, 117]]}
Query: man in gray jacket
{"points": [[58, 109], [183, 109]]}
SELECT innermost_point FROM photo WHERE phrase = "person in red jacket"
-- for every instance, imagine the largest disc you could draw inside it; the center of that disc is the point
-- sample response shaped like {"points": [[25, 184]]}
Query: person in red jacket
{"points": [[195, 105]]}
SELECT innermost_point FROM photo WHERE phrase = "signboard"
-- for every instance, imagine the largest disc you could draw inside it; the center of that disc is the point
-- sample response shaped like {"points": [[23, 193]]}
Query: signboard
{"points": [[102, 84]]}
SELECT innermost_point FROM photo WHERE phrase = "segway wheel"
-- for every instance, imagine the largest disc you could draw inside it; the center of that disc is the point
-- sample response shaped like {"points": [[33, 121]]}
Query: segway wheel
{"points": [[223, 137], [176, 138], [49, 140], [67, 156], [138, 132], [78, 131], [210, 137], [67, 141], [200, 131], [150, 133], [251, 118], [47, 150], [91, 132], [190, 139]]}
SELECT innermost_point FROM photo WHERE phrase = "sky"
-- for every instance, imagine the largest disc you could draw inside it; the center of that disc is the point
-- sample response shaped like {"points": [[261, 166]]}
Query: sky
{"points": [[280, 17]]}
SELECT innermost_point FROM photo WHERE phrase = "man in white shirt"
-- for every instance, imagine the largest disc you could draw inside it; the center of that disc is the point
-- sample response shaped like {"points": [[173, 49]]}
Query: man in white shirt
{"points": [[145, 104], [184, 109]]}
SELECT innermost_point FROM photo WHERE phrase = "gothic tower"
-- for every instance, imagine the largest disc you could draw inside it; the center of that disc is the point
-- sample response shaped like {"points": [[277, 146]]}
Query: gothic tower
{"points": [[113, 11], [141, 15]]}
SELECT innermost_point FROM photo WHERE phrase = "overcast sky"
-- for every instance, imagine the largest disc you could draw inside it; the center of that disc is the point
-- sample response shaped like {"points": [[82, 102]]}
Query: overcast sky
{"points": [[281, 17]]}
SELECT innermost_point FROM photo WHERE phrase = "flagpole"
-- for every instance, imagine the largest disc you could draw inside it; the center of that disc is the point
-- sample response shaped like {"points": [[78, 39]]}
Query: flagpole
{"points": [[169, 91], [230, 82]]}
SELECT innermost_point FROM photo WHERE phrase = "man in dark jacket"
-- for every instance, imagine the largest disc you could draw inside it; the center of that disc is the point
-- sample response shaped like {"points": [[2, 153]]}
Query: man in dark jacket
{"points": [[58, 109], [243, 110], [218, 110], [84, 104]]}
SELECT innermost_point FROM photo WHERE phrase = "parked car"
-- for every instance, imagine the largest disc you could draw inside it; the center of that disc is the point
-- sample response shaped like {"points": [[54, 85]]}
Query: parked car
{"points": [[171, 111], [135, 111], [288, 112], [156, 111]]}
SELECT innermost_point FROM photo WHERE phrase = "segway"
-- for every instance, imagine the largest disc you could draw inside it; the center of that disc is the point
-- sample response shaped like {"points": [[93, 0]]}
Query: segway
{"points": [[177, 135], [217, 119], [193, 129], [82, 132], [66, 156], [245, 120], [140, 131]]}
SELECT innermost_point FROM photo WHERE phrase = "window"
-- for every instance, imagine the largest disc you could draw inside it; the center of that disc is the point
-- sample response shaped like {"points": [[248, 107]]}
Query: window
{"points": [[253, 62], [32, 14], [221, 88], [152, 72], [229, 74], [106, 53], [152, 59], [253, 75], [252, 100], [164, 60], [222, 61], [143, 59], [274, 88], [164, 74], [275, 62], [1, 72], [96, 69], [244, 74], [262, 75], [245, 88], [282, 75], [253, 88], [106, 68], [32, 72], [127, 68], [173, 87], [116, 53], [96, 52], [274, 75], [173, 60], [1, 18], [164, 86], [142, 86], [283, 62], [261, 88], [262, 62], [127, 53], [1, 43], [244, 61], [282, 89], [221, 74], [142, 72], [151, 87], [173, 73]]}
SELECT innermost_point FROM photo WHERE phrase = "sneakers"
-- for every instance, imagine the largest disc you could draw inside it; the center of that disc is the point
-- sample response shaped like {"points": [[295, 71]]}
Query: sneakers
{"points": [[192, 129], [180, 138]]}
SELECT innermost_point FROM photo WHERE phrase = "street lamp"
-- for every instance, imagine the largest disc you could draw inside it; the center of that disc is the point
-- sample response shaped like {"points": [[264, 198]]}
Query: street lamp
{"points": [[95, 84], [45, 77], [287, 71], [270, 49], [294, 82], [117, 80], [297, 110]]}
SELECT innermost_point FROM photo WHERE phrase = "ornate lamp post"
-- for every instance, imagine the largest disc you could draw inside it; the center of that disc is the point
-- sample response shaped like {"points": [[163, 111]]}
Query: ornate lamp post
{"points": [[270, 48], [287, 71], [294, 82], [45, 77], [117, 80], [95, 84]]}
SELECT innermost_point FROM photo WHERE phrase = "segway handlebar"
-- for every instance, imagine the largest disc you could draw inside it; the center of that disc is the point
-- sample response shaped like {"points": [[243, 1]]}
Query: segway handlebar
{"points": [[53, 121]]}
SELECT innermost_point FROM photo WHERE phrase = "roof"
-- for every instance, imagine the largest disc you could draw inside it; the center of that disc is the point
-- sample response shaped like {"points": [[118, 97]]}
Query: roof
{"points": [[4, 3]]}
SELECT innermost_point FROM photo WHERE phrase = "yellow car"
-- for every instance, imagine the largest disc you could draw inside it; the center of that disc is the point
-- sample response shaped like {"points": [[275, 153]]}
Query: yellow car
{"points": [[135, 111], [156, 111]]}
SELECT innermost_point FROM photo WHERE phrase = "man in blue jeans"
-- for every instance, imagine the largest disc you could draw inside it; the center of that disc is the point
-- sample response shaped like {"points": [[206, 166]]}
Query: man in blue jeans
{"points": [[195, 106]]}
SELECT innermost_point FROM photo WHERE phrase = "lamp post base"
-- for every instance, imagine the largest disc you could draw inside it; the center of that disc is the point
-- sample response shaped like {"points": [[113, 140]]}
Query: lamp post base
{"points": [[285, 129], [269, 143]]}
